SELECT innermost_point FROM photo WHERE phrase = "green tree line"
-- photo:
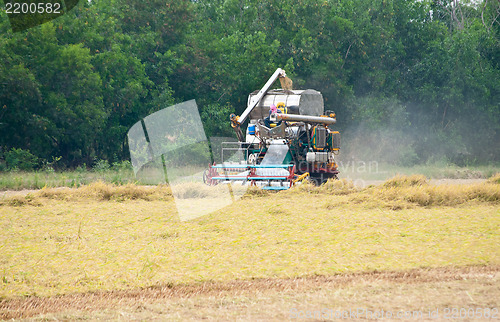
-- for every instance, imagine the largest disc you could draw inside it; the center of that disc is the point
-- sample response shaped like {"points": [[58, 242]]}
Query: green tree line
{"points": [[414, 80]]}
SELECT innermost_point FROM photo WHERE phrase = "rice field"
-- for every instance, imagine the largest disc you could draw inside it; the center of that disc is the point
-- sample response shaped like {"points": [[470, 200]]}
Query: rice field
{"points": [[109, 238]]}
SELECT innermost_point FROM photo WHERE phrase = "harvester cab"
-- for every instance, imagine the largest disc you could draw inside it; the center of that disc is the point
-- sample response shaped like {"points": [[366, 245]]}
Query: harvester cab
{"points": [[289, 137]]}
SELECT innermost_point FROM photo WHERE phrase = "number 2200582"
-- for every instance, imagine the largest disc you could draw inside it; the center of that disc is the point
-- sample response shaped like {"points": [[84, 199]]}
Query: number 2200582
{"points": [[26, 8]]}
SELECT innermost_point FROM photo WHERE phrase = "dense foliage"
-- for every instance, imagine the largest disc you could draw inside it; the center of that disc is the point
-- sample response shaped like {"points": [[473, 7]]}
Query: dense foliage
{"points": [[411, 81]]}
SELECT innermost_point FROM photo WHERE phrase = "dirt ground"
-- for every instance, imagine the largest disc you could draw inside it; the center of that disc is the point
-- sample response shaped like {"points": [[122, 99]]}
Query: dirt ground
{"points": [[467, 293]]}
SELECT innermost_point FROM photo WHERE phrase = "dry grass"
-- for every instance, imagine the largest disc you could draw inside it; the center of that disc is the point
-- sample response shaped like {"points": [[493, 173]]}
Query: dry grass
{"points": [[99, 191], [406, 181], [406, 192], [333, 187], [410, 191], [20, 200], [495, 179], [415, 190]]}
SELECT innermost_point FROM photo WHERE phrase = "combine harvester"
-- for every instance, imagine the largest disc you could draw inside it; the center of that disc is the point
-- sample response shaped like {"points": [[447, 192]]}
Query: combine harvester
{"points": [[288, 139]]}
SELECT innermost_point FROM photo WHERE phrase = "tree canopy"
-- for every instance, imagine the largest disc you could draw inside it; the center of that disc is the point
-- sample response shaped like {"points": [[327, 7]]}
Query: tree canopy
{"points": [[415, 80]]}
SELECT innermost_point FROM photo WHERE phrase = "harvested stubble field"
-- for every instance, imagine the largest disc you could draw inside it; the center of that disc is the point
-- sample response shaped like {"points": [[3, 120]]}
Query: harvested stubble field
{"points": [[104, 251]]}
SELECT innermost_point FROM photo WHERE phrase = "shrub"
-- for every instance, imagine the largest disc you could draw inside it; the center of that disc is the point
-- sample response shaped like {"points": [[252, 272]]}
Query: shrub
{"points": [[122, 166], [81, 168], [49, 166], [20, 159], [101, 165]]}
